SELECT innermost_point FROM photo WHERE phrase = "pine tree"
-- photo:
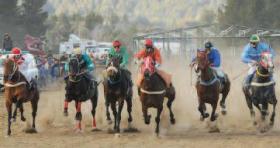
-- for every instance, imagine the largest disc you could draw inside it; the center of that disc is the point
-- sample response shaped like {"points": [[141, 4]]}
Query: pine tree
{"points": [[33, 16]]}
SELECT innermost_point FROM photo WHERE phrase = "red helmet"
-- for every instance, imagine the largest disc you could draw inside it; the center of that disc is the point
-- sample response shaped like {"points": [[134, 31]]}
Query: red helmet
{"points": [[148, 42], [116, 43], [16, 50]]}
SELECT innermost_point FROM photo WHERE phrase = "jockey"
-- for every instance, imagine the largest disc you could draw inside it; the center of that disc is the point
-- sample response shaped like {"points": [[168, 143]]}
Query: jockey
{"points": [[120, 51], [152, 51], [19, 60], [214, 57], [85, 64], [252, 54], [17, 56]]}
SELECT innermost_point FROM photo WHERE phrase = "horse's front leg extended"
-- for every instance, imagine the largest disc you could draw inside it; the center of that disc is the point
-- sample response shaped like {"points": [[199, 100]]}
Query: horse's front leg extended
{"points": [[107, 104], [157, 119], [273, 113], [9, 110], [78, 115], [113, 107], [119, 115], [21, 112], [202, 109], [147, 117]]}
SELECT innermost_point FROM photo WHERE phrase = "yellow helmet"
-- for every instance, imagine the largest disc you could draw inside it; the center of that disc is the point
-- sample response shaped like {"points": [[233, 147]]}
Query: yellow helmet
{"points": [[77, 50]]}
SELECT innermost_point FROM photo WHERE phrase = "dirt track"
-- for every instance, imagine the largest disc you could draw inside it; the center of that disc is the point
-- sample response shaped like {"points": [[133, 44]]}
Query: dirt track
{"points": [[57, 131]]}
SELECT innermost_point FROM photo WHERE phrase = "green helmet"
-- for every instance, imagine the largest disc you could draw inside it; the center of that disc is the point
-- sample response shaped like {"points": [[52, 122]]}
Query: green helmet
{"points": [[254, 38]]}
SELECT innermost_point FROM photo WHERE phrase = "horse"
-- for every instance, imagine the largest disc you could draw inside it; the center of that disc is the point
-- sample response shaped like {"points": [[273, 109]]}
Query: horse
{"points": [[209, 88], [117, 90], [19, 91], [152, 92], [80, 89], [262, 89]]}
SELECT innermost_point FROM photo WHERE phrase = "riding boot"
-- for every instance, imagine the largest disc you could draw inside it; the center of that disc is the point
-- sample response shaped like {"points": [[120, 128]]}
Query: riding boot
{"points": [[248, 81], [139, 91]]}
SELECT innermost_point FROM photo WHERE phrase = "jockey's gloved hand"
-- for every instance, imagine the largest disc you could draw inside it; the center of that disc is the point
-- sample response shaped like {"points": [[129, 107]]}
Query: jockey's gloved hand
{"points": [[157, 65]]}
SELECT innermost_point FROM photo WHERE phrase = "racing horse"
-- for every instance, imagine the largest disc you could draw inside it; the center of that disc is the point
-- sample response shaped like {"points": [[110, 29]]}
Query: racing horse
{"points": [[262, 89], [117, 89], [80, 89], [209, 88], [152, 92], [19, 91]]}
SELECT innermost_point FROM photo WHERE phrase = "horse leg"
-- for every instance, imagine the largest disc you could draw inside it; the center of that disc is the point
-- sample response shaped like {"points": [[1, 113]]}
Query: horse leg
{"points": [[78, 116], [169, 105], [157, 119], [264, 110], [119, 115], [147, 117], [223, 100], [129, 108], [202, 109], [65, 112], [213, 114], [93, 110], [250, 106], [9, 110], [21, 112], [113, 107], [34, 103], [273, 114], [15, 111], [107, 104]]}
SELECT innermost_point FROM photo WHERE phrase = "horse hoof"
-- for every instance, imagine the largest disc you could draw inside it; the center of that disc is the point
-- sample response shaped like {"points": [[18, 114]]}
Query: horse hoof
{"points": [[214, 130], [23, 119], [94, 129], [31, 131], [131, 130], [65, 113], [173, 121], [129, 119], [206, 115], [255, 123], [224, 112], [147, 122]]}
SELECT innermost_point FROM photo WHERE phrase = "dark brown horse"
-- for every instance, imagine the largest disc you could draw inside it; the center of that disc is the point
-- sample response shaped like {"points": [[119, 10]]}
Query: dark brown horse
{"points": [[262, 90], [153, 90], [80, 89], [208, 89], [117, 90], [19, 91]]}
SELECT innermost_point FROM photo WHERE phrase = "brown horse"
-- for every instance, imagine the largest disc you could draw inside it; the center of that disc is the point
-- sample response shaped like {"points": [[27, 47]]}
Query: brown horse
{"points": [[208, 89], [17, 91], [153, 90]]}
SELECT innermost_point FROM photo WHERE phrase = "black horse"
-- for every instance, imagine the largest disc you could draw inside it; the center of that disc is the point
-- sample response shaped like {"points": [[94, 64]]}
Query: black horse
{"points": [[262, 89], [117, 89], [80, 89]]}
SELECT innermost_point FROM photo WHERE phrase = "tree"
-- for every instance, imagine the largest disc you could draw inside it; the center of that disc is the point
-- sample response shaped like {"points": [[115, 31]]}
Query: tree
{"points": [[92, 20], [253, 13], [8, 9], [33, 17]]}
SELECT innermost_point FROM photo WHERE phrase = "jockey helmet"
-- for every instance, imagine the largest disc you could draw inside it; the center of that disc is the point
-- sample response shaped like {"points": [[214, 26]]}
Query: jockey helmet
{"points": [[208, 45], [148, 42], [77, 50], [254, 38], [16, 51], [116, 43]]}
